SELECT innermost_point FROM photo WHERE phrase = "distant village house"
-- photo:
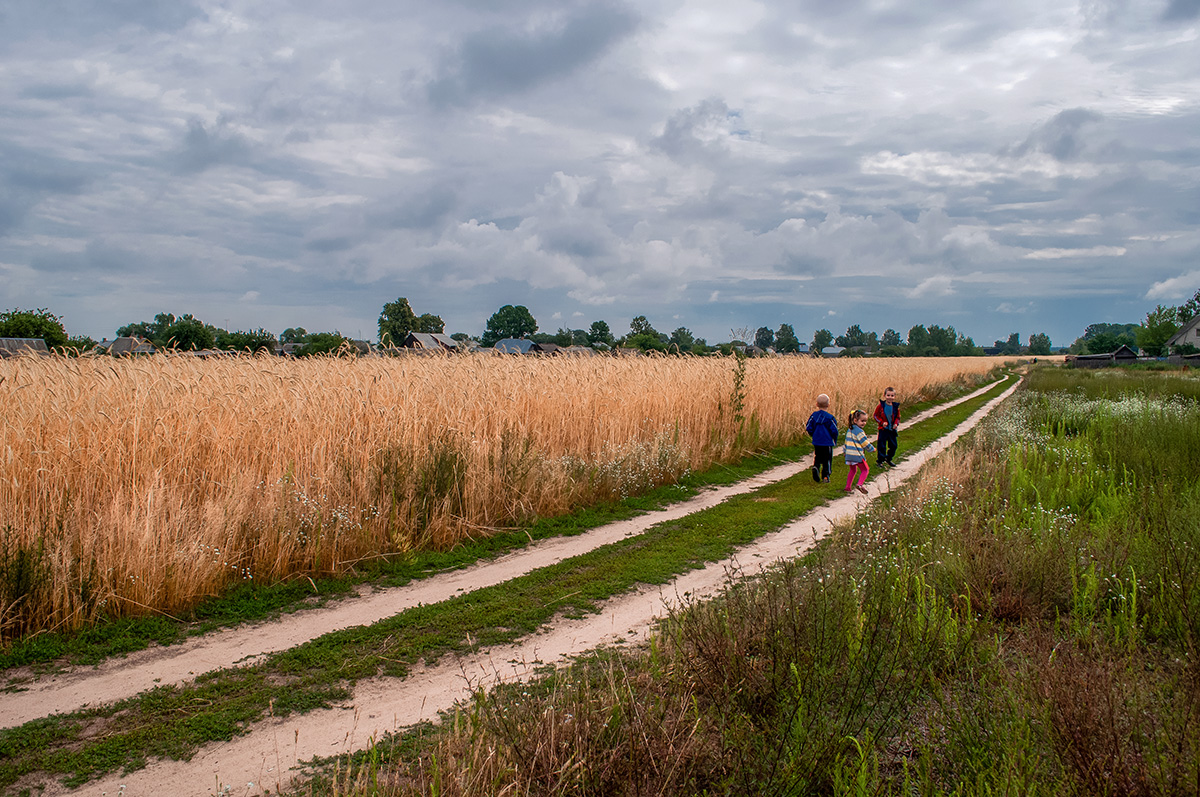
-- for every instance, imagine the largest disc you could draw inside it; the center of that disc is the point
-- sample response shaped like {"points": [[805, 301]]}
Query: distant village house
{"points": [[15, 347]]}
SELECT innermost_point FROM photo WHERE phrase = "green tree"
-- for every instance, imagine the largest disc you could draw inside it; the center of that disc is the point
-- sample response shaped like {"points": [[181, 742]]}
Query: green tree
{"points": [[294, 335], [154, 331], [1105, 338], [1103, 343], [821, 339], [918, 341], [890, 338], [943, 341], [786, 341], [1189, 309], [641, 326], [642, 335], [683, 339], [854, 337], [966, 347], [764, 338], [1039, 344], [429, 323], [396, 320], [1159, 326], [509, 322], [255, 340], [189, 334], [562, 336], [322, 343], [599, 334], [39, 323], [78, 344]]}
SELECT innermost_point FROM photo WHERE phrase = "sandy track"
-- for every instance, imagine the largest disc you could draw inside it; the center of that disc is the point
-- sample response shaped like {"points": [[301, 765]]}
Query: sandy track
{"points": [[264, 758]]}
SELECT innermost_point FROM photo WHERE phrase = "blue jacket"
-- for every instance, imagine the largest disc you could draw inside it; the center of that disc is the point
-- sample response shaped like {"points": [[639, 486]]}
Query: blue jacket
{"points": [[822, 428]]}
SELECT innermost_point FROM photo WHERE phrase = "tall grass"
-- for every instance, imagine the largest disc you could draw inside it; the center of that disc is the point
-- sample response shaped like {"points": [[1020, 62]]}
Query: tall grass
{"points": [[129, 486], [1023, 619]]}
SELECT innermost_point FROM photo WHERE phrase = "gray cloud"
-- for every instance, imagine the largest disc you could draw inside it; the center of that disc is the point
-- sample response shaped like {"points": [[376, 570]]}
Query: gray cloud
{"points": [[56, 91], [1182, 10], [745, 166], [423, 210], [497, 61], [26, 19], [696, 133], [1061, 136], [202, 149]]}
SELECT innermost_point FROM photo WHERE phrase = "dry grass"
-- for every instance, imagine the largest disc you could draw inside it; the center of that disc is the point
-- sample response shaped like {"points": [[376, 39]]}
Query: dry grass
{"points": [[135, 485]]}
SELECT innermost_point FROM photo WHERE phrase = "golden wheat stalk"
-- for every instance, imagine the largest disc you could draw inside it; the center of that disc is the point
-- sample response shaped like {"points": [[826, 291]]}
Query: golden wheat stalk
{"points": [[133, 485]]}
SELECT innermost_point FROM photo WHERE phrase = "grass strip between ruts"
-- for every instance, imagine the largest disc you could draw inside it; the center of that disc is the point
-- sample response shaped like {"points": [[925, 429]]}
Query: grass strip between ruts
{"points": [[174, 721], [250, 602]]}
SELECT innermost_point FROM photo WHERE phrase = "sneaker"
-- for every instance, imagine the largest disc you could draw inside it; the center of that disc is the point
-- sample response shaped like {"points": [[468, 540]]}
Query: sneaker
{"points": [[825, 480], [847, 490], [862, 489], [816, 474]]}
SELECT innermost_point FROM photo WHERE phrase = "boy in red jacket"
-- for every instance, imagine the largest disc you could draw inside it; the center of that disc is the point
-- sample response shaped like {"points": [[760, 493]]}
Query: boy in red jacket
{"points": [[887, 415]]}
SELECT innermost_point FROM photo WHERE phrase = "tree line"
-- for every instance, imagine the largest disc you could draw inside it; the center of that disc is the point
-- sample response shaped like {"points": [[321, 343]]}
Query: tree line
{"points": [[1150, 336], [397, 319]]}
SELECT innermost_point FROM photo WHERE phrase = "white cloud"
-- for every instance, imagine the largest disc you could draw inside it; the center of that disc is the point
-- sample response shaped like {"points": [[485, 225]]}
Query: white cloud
{"points": [[933, 287], [1058, 254], [1182, 287], [944, 168]]}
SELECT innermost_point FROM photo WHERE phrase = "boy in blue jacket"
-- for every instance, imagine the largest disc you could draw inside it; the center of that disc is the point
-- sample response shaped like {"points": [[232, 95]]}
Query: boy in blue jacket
{"points": [[822, 428]]}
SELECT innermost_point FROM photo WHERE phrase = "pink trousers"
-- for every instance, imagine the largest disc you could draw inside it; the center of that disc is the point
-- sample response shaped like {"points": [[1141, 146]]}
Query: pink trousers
{"points": [[860, 468]]}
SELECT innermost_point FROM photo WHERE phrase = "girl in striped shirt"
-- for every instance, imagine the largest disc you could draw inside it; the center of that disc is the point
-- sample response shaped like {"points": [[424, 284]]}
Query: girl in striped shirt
{"points": [[856, 447]]}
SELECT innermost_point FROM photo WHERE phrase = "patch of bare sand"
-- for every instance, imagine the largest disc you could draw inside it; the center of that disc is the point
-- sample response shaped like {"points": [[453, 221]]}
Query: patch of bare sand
{"points": [[263, 760]]}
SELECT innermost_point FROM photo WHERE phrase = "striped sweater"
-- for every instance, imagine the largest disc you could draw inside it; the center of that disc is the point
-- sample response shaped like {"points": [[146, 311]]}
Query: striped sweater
{"points": [[857, 445]]}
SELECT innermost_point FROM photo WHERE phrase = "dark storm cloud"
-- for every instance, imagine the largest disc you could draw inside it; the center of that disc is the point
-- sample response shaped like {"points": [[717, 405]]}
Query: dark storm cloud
{"points": [[421, 211], [56, 91], [328, 245], [498, 61], [1060, 137], [695, 133], [28, 176], [1181, 10], [30, 19], [98, 258], [202, 148]]}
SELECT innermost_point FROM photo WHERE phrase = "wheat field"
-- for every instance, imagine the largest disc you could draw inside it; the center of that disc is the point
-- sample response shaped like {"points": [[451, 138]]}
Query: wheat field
{"points": [[137, 485]]}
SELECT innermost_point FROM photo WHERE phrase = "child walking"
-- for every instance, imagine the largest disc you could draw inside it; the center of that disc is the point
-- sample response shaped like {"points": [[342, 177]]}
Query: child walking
{"points": [[822, 428], [887, 415], [856, 450]]}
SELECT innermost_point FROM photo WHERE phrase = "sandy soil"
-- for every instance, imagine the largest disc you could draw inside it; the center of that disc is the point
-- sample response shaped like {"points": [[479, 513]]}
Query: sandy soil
{"points": [[263, 759]]}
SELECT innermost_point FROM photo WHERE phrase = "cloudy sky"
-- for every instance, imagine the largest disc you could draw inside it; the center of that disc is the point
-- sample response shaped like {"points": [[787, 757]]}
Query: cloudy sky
{"points": [[1024, 166]]}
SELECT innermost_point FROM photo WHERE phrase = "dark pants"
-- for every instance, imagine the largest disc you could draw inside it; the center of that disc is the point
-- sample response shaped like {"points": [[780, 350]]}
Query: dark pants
{"points": [[823, 460], [885, 445]]}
